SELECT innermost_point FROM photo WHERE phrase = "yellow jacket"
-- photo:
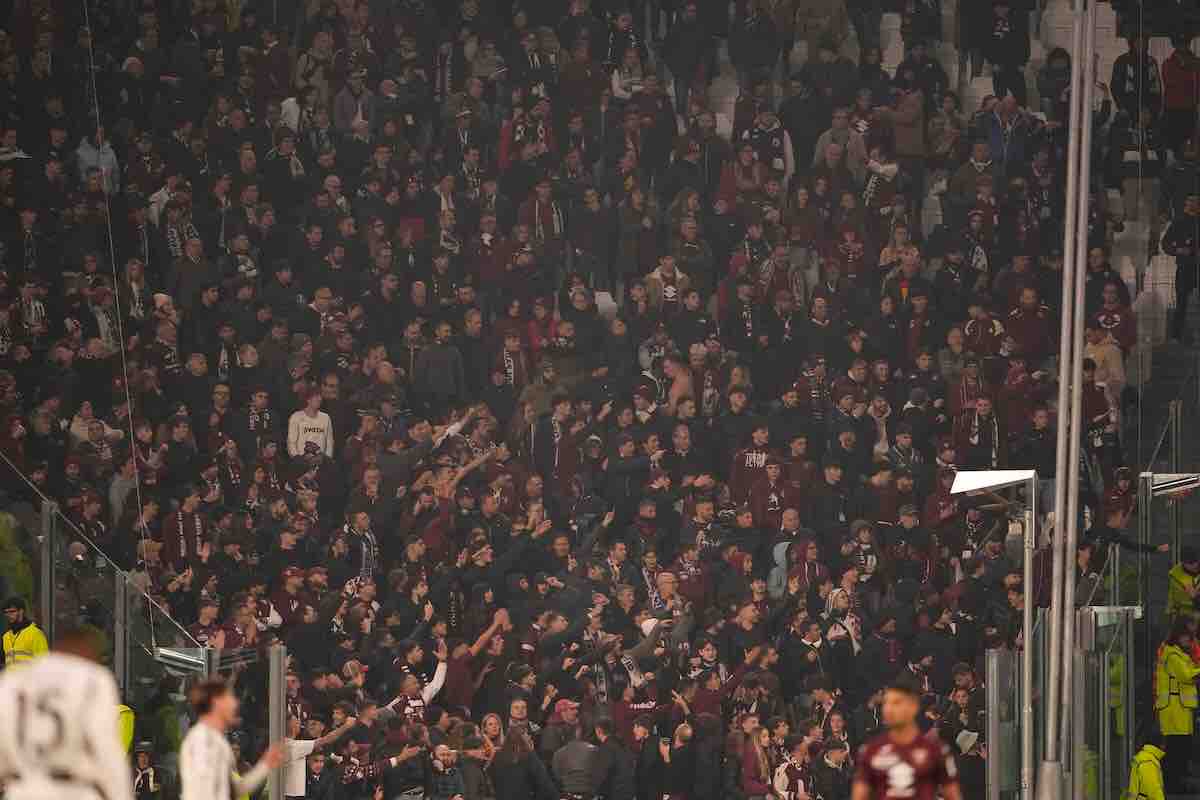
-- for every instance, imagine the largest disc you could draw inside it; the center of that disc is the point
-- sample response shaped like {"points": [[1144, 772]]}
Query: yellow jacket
{"points": [[1175, 691], [24, 644], [1116, 690], [1179, 602], [1145, 775], [127, 721]]}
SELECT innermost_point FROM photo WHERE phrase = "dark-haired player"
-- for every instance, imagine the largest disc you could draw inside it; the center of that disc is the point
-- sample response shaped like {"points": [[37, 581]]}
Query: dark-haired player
{"points": [[903, 763], [206, 765]]}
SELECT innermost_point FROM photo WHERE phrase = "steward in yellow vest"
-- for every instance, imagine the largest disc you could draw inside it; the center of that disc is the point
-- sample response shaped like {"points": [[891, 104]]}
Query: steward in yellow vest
{"points": [[23, 641], [1175, 704], [1145, 774], [127, 720]]}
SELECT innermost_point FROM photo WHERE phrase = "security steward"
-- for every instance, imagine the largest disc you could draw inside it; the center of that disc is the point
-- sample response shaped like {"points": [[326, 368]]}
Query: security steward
{"points": [[23, 641], [1175, 703], [1145, 774]]}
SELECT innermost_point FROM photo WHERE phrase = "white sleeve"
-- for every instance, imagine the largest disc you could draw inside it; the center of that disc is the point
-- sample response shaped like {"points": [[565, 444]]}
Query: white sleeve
{"points": [[780, 783], [110, 766], [205, 765], [452, 429], [273, 619], [328, 436], [7, 733], [435, 685], [293, 441], [298, 749]]}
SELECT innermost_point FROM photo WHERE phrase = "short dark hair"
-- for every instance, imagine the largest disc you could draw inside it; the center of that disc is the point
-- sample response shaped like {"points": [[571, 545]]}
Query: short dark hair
{"points": [[205, 693], [906, 685]]}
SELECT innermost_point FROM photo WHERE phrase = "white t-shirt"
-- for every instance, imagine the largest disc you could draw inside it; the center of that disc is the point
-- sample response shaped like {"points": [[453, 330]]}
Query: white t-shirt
{"points": [[302, 429], [295, 770], [206, 767], [59, 733]]}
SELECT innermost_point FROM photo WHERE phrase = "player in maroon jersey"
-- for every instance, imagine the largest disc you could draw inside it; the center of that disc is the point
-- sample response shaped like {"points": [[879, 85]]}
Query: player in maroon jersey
{"points": [[903, 763]]}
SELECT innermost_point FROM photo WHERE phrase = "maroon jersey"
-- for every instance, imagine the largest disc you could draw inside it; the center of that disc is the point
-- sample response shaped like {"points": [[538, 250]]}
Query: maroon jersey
{"points": [[915, 771]]}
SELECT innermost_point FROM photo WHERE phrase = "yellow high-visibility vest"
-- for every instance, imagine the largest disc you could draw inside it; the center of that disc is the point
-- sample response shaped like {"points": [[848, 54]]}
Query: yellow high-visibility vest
{"points": [[24, 645], [127, 720]]}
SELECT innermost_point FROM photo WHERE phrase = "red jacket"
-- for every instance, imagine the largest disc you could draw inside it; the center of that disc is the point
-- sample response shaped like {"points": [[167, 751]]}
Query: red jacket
{"points": [[768, 502], [1181, 84], [754, 783]]}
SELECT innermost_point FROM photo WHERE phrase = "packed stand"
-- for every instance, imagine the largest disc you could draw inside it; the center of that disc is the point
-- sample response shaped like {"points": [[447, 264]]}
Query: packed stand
{"points": [[571, 447]]}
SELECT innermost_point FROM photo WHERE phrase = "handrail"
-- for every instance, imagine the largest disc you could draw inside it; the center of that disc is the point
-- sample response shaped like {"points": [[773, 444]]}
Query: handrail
{"points": [[152, 604]]}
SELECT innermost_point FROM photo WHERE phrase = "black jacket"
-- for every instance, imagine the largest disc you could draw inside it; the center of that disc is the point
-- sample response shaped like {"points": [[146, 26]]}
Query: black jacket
{"points": [[829, 783], [526, 779]]}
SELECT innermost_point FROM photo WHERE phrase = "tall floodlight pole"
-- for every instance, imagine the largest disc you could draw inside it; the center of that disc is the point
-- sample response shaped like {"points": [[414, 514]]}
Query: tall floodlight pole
{"points": [[991, 479], [1066, 664], [1050, 774]]}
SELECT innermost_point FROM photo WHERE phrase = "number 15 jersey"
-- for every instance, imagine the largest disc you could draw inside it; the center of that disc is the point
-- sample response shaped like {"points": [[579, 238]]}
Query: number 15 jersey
{"points": [[59, 732]]}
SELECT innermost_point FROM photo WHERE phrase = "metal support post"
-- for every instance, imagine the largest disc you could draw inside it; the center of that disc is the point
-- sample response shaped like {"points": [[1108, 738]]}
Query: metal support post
{"points": [[1065, 666], [1145, 518], [1050, 770], [277, 712], [1027, 718], [992, 689], [212, 661], [1174, 456], [1114, 561], [49, 567], [121, 630]]}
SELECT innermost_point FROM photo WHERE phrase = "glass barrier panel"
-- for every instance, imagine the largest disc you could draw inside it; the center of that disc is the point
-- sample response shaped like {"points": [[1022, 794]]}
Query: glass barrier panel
{"points": [[153, 658], [1003, 726]]}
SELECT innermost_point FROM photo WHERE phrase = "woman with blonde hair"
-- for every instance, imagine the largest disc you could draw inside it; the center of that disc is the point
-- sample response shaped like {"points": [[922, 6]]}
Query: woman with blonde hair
{"points": [[757, 771], [492, 728], [889, 257]]}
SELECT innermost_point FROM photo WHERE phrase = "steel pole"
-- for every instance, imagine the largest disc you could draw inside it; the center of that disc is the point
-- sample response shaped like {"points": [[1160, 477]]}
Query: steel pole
{"points": [[1175, 456], [1076, 438], [991, 688], [49, 567], [276, 712], [1051, 762], [1027, 718], [121, 631], [1145, 498]]}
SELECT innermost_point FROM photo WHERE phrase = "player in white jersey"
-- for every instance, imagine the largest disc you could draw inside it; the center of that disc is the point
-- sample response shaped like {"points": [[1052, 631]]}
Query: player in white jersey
{"points": [[206, 765], [58, 727]]}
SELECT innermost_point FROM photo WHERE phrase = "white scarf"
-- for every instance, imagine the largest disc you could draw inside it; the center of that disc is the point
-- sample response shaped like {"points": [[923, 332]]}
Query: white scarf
{"points": [[556, 217]]}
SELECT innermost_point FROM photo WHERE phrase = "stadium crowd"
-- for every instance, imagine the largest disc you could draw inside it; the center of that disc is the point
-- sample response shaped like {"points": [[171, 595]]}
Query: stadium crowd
{"points": [[573, 447]]}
